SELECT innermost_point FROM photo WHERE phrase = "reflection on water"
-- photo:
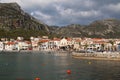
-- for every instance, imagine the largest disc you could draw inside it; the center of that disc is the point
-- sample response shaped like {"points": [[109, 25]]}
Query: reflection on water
{"points": [[28, 66]]}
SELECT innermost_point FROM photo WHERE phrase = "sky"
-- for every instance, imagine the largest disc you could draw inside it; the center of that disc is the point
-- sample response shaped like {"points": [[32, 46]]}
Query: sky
{"points": [[66, 12]]}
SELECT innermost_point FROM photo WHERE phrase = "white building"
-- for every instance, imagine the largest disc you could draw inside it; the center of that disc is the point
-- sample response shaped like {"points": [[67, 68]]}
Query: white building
{"points": [[22, 45], [20, 38], [47, 44], [35, 43], [9, 46], [43, 46], [63, 42], [54, 44], [1, 46]]}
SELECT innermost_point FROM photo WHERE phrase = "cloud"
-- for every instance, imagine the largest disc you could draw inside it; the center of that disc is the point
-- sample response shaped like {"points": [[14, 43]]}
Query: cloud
{"points": [[37, 13], [64, 12], [113, 7], [45, 17], [8, 1]]}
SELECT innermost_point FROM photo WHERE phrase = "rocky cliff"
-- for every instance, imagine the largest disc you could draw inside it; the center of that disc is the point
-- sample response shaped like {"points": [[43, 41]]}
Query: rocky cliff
{"points": [[13, 17], [108, 28], [15, 22]]}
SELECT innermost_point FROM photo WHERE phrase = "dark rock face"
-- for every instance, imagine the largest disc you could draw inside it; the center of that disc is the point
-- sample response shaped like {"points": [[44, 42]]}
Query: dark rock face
{"points": [[13, 17]]}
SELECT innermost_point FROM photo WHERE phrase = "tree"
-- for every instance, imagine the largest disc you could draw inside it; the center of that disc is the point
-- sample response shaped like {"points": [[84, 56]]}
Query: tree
{"points": [[80, 45], [102, 46], [85, 46], [112, 43]]}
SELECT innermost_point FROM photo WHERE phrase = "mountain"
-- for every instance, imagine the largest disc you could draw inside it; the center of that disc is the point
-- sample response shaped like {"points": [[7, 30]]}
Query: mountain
{"points": [[108, 28], [12, 17], [73, 30]]}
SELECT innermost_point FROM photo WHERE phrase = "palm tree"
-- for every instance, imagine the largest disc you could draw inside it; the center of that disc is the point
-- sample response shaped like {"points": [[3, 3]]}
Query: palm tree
{"points": [[80, 45], [112, 43], [85, 46], [102, 47]]}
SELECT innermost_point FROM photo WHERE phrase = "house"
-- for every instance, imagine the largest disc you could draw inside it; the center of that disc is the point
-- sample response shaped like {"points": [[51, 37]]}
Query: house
{"points": [[97, 45], [43, 44], [54, 44], [117, 44], [77, 43], [35, 43], [47, 44], [1, 46], [23, 45], [20, 38], [9, 46], [64, 44]]}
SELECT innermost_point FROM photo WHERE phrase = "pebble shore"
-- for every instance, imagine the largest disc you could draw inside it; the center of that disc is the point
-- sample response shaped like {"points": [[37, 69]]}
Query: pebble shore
{"points": [[98, 55]]}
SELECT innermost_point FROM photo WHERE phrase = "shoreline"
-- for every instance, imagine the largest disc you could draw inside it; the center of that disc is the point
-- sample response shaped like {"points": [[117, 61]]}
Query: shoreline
{"points": [[59, 52], [97, 58], [91, 56]]}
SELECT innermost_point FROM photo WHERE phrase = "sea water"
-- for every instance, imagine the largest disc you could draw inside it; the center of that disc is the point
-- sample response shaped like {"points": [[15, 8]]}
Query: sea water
{"points": [[31, 65]]}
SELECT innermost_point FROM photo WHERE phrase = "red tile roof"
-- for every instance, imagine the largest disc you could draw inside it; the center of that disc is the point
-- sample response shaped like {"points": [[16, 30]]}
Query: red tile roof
{"points": [[56, 39], [44, 40], [28, 42], [97, 39], [78, 40], [69, 39], [10, 43]]}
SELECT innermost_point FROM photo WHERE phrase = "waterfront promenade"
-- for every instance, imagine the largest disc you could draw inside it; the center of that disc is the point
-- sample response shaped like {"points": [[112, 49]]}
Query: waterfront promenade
{"points": [[97, 55]]}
